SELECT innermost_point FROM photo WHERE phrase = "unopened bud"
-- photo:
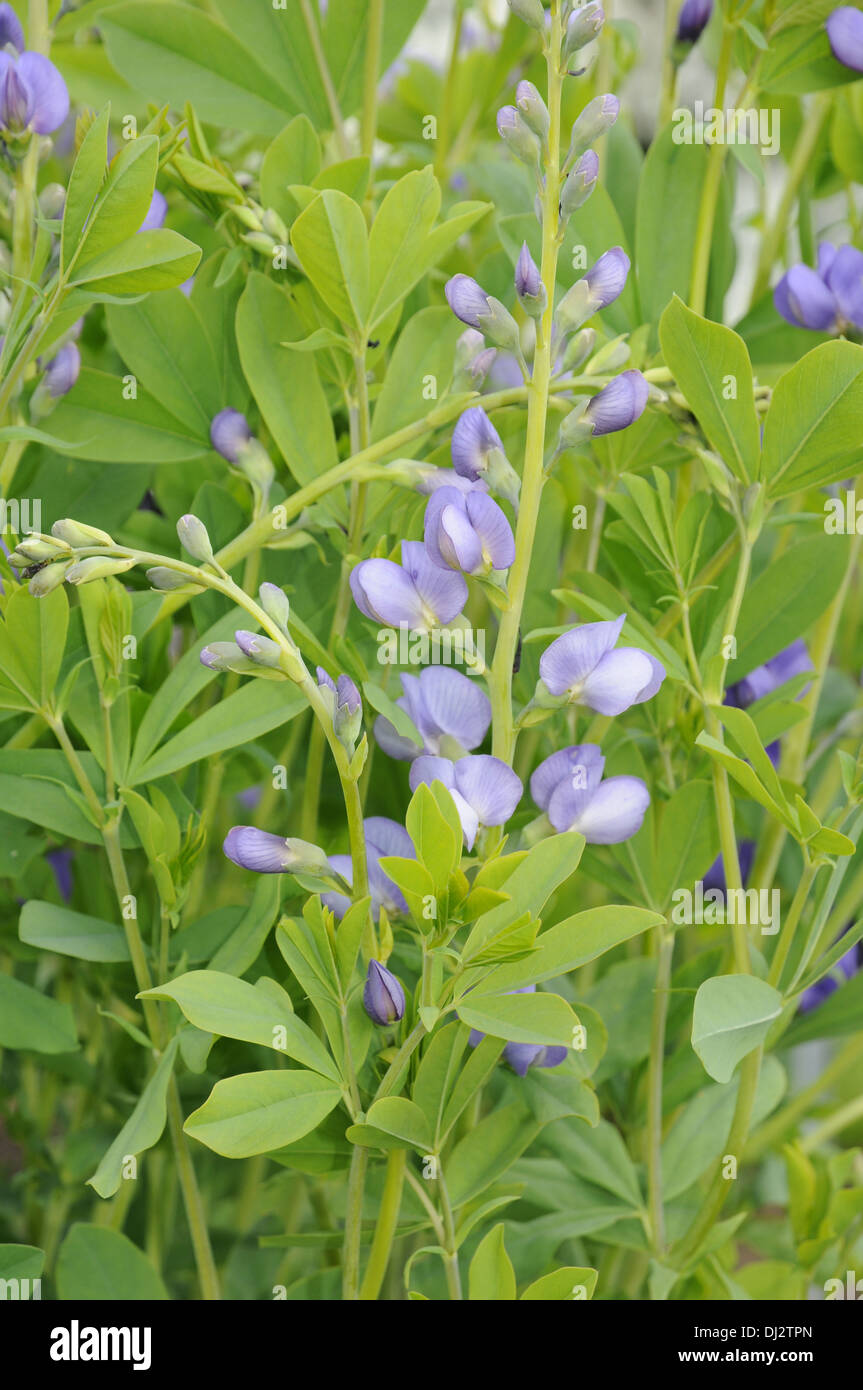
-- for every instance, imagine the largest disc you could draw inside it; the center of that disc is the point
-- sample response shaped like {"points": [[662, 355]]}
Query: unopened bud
{"points": [[194, 538], [79, 535], [96, 567], [276, 605]]}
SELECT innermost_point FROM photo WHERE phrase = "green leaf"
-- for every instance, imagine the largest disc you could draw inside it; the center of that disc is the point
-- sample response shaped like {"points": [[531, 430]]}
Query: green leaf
{"points": [[254, 709], [688, 839], [524, 1018], [732, 1015], [143, 1128], [158, 260], [232, 1008], [786, 598], [121, 206], [811, 434], [177, 54], [32, 643], [293, 157], [331, 240], [403, 1119], [85, 183], [54, 928], [599, 1156], [562, 1285], [437, 847], [98, 422], [21, 1262], [488, 1149], [547, 865], [424, 350], [34, 1022], [568, 945], [95, 1263], [709, 360], [401, 226], [491, 1275], [163, 342], [285, 384], [261, 1111], [400, 720]]}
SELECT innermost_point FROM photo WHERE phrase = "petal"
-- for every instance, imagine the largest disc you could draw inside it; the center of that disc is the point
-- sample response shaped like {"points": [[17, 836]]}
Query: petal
{"points": [[585, 758], [457, 542], [522, 1056], [394, 744], [455, 705], [443, 592], [568, 801], [430, 769], [493, 529], [384, 893], [826, 256], [385, 836], [552, 1056], [656, 679], [10, 29], [845, 278], [255, 849], [468, 817], [156, 213], [607, 277], [338, 903], [473, 439], [619, 404], [48, 91], [488, 785], [440, 499], [845, 32], [614, 812], [385, 592], [807, 300], [571, 658], [614, 684]]}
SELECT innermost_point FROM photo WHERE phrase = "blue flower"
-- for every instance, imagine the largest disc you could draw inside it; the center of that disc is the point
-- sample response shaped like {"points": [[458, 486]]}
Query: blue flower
{"points": [[383, 995], [845, 32], [568, 786], [826, 300], [485, 790], [467, 532], [417, 593], [584, 666], [449, 710], [33, 95]]}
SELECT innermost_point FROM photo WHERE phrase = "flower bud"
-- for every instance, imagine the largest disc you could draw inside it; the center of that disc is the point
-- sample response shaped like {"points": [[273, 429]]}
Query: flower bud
{"points": [[528, 284], [274, 226], [259, 649], [518, 136], [32, 550], [583, 27], [62, 371], [579, 349], [229, 432], [265, 853], [597, 117], [79, 535], [693, 19], [579, 184], [275, 604], [531, 11], [220, 656], [533, 109], [52, 200], [254, 461], [48, 578], [383, 995], [194, 538], [96, 567], [619, 405], [348, 714], [166, 580], [574, 428]]}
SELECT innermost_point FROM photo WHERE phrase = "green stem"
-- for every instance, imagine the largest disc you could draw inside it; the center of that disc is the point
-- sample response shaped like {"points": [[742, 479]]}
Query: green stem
{"points": [[768, 1135], [669, 67], [834, 1124], [396, 1069], [712, 183], [789, 926], [451, 1268], [326, 79], [500, 680], [353, 1225], [388, 1217], [665, 952], [445, 114], [195, 1213], [801, 160]]}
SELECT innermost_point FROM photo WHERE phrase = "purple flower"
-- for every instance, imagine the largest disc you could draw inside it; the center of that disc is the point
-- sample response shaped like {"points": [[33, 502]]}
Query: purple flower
{"points": [[826, 300], [383, 996], [384, 838], [10, 29], [517, 134], [62, 371], [61, 860], [467, 299], [533, 109], [845, 32], [447, 477], [619, 405], [416, 593], [579, 184], [528, 282], [467, 532], [693, 19], [33, 95], [229, 431], [485, 790], [264, 853], [449, 710], [568, 786], [583, 26], [156, 213], [787, 664], [595, 120], [607, 277], [473, 440], [584, 666]]}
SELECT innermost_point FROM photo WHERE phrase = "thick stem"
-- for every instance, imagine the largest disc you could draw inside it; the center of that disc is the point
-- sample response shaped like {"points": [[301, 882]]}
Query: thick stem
{"points": [[789, 926], [712, 184], [195, 1213], [353, 1225], [500, 681], [665, 952], [388, 1217]]}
